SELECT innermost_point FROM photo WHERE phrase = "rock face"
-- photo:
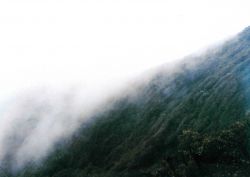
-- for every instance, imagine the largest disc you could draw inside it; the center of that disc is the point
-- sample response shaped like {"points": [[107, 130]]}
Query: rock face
{"points": [[189, 122]]}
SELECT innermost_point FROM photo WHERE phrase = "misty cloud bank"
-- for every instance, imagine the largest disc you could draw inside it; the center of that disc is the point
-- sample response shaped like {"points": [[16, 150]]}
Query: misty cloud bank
{"points": [[33, 122]]}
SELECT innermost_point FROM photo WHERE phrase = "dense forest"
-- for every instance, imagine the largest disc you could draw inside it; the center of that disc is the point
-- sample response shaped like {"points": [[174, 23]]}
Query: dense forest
{"points": [[193, 121]]}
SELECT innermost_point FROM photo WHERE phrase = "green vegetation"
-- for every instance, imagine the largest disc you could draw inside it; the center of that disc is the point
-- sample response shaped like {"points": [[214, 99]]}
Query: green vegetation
{"points": [[197, 151], [192, 122]]}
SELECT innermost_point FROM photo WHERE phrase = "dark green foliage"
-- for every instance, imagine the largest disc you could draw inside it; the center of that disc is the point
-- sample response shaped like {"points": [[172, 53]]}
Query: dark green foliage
{"points": [[197, 151], [226, 145], [187, 123]]}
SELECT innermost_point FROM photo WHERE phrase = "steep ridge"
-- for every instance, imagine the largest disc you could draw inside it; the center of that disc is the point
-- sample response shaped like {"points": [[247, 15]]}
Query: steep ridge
{"points": [[192, 121]]}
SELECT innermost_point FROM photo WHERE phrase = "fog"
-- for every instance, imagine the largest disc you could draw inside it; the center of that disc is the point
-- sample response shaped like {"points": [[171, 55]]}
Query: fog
{"points": [[33, 122], [62, 60], [57, 43]]}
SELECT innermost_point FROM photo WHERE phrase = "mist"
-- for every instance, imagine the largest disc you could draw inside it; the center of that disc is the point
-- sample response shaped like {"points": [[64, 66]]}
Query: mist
{"points": [[34, 121], [62, 62]]}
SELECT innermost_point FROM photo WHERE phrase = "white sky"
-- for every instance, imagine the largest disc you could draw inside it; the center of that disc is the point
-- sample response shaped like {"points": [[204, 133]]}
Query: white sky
{"points": [[54, 42]]}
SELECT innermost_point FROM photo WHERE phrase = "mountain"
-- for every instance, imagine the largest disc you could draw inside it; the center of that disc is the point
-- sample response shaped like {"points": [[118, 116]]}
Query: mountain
{"points": [[186, 121]]}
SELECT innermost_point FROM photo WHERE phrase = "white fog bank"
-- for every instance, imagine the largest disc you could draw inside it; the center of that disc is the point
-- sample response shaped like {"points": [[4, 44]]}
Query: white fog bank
{"points": [[61, 59]]}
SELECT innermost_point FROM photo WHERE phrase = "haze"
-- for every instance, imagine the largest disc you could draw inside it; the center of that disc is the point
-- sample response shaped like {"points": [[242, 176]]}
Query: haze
{"points": [[56, 43]]}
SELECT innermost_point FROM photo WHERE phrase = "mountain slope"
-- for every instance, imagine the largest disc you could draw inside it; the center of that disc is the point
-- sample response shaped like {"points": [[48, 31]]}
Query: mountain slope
{"points": [[192, 121]]}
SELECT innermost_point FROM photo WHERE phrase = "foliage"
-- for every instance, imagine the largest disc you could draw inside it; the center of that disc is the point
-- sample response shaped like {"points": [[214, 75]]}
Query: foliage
{"points": [[184, 123]]}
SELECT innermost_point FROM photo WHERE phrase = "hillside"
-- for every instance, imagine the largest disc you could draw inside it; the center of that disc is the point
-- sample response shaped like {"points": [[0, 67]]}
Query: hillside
{"points": [[190, 122]]}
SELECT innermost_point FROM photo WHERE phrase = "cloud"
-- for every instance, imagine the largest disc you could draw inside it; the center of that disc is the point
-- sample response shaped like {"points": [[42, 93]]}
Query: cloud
{"points": [[33, 122]]}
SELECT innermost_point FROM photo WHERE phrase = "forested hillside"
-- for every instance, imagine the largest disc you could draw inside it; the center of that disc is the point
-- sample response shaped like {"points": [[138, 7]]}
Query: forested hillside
{"points": [[193, 121]]}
